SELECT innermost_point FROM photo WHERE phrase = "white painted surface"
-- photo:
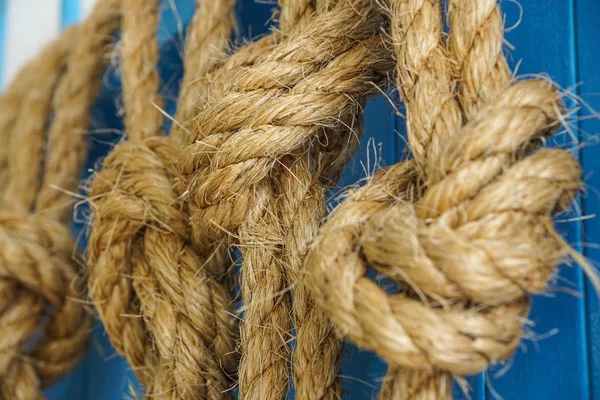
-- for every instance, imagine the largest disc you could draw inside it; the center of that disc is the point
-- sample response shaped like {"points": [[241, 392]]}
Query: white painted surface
{"points": [[30, 24], [86, 7]]}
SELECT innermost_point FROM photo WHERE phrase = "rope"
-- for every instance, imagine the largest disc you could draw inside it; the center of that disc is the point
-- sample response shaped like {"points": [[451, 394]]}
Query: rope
{"points": [[467, 272], [142, 261], [464, 227], [37, 267], [256, 125]]}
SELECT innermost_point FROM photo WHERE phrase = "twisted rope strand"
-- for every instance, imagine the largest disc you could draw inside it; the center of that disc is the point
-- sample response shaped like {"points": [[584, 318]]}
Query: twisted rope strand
{"points": [[302, 206], [73, 100], [23, 184], [139, 55], [36, 266], [205, 48], [475, 219], [259, 114], [475, 41], [293, 13], [141, 256], [424, 76], [433, 114]]}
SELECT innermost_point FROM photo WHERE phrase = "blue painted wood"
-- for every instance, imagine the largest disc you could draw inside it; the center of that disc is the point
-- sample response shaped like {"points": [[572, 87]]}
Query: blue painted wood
{"points": [[70, 13], [588, 57], [555, 367], [558, 37]]}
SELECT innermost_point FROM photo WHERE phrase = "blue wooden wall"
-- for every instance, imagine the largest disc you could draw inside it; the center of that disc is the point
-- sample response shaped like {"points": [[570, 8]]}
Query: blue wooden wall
{"points": [[561, 358]]}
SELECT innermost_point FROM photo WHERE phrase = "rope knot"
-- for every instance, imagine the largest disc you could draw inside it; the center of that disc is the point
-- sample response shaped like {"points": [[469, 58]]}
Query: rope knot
{"points": [[36, 272], [291, 98], [143, 264], [136, 188], [466, 254]]}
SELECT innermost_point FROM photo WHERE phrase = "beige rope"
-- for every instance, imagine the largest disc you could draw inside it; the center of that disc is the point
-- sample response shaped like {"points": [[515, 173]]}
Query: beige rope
{"points": [[37, 269], [206, 43], [482, 232], [465, 227], [256, 117], [302, 206], [475, 41], [73, 101], [142, 262]]}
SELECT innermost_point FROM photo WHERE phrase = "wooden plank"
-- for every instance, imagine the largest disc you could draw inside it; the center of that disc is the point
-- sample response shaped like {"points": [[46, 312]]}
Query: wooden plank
{"points": [[586, 16], [553, 365], [30, 25], [70, 12]]}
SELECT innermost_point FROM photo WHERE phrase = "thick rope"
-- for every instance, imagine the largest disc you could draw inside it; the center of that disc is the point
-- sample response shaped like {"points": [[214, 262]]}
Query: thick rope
{"points": [[465, 228], [427, 87], [37, 270], [257, 117], [302, 206], [475, 41], [142, 261], [206, 42], [25, 128], [15, 94], [433, 114], [73, 101], [476, 243], [424, 76]]}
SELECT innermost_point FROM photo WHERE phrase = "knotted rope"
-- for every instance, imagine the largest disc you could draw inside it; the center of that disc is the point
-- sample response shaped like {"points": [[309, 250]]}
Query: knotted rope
{"points": [[259, 121], [466, 227], [37, 268], [142, 261]]}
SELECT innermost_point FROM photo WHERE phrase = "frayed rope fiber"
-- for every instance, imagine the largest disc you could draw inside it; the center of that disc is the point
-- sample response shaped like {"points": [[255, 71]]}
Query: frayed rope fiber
{"points": [[463, 226]]}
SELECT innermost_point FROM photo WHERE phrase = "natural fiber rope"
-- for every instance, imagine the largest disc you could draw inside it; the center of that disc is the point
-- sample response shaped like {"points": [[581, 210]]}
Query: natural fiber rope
{"points": [[37, 270], [258, 116], [424, 76], [433, 114], [30, 119], [465, 228], [428, 91], [480, 247], [142, 262], [22, 311], [476, 40], [206, 43], [73, 101], [302, 206], [373, 240]]}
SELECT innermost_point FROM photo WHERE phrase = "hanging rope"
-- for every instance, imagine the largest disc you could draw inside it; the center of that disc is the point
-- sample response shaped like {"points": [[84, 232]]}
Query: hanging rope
{"points": [[256, 125], [142, 262], [464, 227], [37, 264]]}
